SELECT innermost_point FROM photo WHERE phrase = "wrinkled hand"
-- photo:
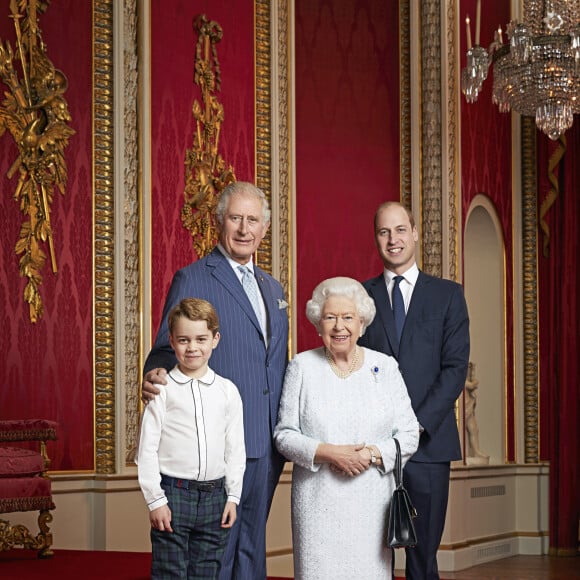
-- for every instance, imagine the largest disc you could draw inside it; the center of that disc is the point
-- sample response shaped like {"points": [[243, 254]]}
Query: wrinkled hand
{"points": [[161, 519], [350, 460], [148, 388]]}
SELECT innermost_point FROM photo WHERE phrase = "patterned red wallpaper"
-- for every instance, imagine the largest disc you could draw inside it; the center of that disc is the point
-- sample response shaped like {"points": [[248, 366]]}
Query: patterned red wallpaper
{"points": [[173, 42], [46, 368], [347, 139]]}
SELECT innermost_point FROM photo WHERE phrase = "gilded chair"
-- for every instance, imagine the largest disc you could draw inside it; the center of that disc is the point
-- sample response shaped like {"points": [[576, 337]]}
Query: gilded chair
{"points": [[24, 483]]}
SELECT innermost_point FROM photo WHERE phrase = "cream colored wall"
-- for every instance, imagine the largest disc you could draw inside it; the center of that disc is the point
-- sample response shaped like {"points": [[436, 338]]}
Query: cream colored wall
{"points": [[109, 513], [494, 511], [484, 281]]}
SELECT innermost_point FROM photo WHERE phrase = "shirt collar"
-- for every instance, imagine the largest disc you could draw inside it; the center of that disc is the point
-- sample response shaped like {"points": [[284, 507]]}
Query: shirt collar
{"points": [[410, 275], [233, 263], [181, 378]]}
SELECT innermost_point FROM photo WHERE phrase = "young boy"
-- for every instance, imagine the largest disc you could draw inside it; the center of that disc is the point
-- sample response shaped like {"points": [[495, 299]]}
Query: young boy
{"points": [[191, 457]]}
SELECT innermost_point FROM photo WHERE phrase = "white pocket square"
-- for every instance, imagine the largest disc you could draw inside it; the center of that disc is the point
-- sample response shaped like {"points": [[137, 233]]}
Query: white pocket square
{"points": [[282, 304]]}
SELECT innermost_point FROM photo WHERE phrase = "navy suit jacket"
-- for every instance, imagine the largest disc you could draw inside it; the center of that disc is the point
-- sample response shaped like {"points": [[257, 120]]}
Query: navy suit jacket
{"points": [[241, 355], [433, 356]]}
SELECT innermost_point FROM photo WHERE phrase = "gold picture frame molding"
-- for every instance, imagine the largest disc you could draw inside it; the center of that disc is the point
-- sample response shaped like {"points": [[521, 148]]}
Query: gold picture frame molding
{"points": [[103, 237]]}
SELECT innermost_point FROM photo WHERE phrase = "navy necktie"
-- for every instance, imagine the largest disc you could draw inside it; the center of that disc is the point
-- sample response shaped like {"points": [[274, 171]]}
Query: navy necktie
{"points": [[398, 307]]}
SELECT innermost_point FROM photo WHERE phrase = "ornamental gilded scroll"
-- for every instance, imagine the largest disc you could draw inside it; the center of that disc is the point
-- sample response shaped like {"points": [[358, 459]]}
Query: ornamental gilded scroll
{"points": [[36, 114], [205, 170]]}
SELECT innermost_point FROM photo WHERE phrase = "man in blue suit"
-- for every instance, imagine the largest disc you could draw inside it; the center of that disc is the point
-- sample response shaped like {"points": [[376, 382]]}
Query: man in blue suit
{"points": [[433, 355], [253, 353]]}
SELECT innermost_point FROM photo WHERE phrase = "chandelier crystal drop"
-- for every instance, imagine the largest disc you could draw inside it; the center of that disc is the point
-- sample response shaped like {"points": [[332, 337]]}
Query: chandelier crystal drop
{"points": [[537, 72]]}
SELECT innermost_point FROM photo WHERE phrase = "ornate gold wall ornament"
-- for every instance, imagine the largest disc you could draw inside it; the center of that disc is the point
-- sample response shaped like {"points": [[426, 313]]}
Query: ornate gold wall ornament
{"points": [[205, 172], [36, 114], [552, 195]]}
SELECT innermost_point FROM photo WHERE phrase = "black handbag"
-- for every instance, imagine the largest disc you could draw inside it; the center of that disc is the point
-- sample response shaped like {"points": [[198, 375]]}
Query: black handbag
{"points": [[400, 530]]}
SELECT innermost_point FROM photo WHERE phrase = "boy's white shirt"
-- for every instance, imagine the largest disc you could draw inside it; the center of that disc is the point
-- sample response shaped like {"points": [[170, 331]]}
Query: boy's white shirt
{"points": [[192, 430]]}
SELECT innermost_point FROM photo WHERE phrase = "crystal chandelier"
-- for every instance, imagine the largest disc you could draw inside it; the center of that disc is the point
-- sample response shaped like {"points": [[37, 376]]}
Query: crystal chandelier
{"points": [[537, 72]]}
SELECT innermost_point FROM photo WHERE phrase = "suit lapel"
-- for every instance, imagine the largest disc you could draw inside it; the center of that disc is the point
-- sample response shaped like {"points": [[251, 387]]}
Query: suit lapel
{"points": [[379, 293], [223, 272], [269, 303], [416, 306]]}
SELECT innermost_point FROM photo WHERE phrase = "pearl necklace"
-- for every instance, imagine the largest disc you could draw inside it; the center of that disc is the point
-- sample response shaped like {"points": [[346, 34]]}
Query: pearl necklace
{"points": [[338, 372]]}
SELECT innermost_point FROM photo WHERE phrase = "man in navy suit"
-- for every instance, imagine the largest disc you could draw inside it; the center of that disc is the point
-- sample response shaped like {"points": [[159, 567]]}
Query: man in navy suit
{"points": [[253, 353], [433, 355]]}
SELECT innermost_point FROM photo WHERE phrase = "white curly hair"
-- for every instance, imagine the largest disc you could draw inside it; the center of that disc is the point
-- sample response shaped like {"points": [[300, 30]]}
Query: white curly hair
{"points": [[347, 288]]}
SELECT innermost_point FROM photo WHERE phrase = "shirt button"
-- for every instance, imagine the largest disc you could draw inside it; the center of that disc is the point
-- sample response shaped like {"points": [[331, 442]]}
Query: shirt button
{"points": [[266, 391]]}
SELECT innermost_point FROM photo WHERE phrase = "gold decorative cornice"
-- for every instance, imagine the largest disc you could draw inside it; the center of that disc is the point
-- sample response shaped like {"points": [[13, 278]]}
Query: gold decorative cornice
{"points": [[453, 138], [281, 119], [530, 292], [405, 100], [104, 235], [431, 154], [264, 119], [132, 194]]}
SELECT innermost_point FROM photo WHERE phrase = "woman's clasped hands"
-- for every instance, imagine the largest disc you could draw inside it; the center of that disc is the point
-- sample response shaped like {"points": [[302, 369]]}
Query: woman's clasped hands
{"points": [[349, 460]]}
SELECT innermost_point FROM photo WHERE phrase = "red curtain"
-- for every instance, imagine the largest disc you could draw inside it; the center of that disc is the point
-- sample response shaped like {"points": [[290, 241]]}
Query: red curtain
{"points": [[558, 286]]}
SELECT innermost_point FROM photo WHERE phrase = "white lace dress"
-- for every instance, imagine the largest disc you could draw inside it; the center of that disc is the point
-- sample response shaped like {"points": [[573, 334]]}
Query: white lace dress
{"points": [[338, 522]]}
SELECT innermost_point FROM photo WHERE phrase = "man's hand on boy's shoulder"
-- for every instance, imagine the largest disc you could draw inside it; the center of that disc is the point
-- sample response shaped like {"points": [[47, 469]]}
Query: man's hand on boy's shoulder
{"points": [[152, 378]]}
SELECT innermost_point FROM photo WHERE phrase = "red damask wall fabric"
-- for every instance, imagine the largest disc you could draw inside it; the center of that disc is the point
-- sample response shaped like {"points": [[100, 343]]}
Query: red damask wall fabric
{"points": [[486, 169], [559, 326], [347, 139], [173, 44], [46, 369]]}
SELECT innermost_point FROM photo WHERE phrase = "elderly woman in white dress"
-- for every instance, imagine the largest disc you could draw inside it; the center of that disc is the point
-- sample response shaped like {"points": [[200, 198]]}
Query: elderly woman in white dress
{"points": [[341, 407]]}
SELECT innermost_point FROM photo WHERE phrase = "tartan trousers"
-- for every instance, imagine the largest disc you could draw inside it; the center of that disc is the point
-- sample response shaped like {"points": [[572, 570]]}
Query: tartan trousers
{"points": [[195, 548]]}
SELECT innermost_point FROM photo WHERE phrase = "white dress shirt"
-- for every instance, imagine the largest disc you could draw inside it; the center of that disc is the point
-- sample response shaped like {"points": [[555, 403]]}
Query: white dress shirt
{"points": [[192, 430], [250, 266], [407, 284]]}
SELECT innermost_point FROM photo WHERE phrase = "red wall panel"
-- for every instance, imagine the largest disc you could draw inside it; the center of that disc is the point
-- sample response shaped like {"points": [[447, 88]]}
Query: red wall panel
{"points": [[173, 42], [347, 139], [46, 368]]}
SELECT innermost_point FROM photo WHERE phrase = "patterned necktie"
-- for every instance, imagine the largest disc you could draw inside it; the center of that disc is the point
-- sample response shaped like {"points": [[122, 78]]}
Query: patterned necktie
{"points": [[251, 288], [398, 307]]}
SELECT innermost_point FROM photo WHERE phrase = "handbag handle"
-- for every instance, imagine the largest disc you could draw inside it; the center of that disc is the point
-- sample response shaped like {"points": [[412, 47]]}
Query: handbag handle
{"points": [[398, 470]]}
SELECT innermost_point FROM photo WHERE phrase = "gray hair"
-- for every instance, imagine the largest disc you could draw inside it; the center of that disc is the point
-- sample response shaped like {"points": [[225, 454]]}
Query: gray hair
{"points": [[347, 288], [241, 187]]}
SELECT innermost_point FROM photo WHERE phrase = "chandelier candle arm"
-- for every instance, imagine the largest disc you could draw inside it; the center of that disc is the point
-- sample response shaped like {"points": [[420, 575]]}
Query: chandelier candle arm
{"points": [[468, 32], [477, 21]]}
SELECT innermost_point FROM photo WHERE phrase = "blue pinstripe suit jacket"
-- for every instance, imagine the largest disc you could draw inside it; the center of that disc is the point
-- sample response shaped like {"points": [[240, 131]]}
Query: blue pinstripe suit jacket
{"points": [[241, 354]]}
